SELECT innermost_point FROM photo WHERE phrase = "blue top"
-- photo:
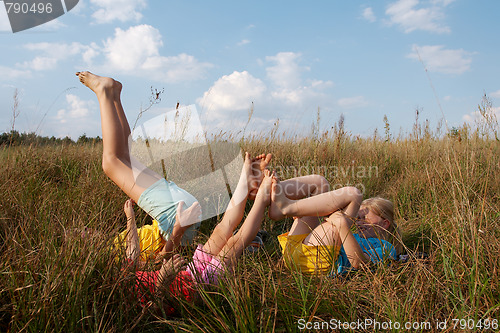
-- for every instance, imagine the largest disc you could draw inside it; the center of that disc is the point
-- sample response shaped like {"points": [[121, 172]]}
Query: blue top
{"points": [[377, 249]]}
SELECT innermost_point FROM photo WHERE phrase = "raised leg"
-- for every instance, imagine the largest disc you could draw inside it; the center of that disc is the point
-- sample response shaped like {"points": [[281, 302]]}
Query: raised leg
{"points": [[117, 87], [235, 245], [347, 199], [116, 161], [299, 188], [235, 211]]}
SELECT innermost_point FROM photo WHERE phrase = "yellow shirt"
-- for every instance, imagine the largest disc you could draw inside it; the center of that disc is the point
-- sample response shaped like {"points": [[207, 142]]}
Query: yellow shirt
{"points": [[306, 258], [150, 240]]}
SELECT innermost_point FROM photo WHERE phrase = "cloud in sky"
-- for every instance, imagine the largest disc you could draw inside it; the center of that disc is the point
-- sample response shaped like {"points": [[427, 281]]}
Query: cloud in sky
{"points": [[476, 117], [286, 71], [7, 73], [285, 76], [77, 117], [368, 14], [117, 10], [77, 109], [408, 15], [352, 102], [438, 59], [137, 51], [243, 42], [130, 49], [495, 94], [235, 91], [51, 54], [281, 90]]}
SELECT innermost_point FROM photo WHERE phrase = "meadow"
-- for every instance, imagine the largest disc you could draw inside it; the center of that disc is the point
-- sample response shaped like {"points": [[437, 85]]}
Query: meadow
{"points": [[446, 192]]}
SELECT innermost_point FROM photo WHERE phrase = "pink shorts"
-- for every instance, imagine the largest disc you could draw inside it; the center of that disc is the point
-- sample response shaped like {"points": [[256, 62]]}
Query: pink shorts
{"points": [[205, 268]]}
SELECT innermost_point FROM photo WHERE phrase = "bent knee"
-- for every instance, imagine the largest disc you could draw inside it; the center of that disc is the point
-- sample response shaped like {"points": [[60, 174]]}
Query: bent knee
{"points": [[338, 220], [319, 184], [354, 193], [323, 184], [110, 163]]}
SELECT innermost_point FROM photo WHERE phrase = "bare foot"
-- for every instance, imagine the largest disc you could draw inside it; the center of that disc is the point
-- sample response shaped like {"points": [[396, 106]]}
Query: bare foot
{"points": [[279, 201], [259, 164], [96, 83], [264, 192], [246, 176]]}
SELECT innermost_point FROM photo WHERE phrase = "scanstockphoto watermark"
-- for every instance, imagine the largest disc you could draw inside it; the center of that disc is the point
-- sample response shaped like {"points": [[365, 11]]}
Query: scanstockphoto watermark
{"points": [[26, 14], [356, 174], [329, 171], [487, 324]]}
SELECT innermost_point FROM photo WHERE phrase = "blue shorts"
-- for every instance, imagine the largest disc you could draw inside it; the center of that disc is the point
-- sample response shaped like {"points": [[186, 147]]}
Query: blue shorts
{"points": [[160, 202]]}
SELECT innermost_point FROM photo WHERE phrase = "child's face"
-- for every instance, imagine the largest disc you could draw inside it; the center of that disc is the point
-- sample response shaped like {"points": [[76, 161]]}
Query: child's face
{"points": [[370, 224]]}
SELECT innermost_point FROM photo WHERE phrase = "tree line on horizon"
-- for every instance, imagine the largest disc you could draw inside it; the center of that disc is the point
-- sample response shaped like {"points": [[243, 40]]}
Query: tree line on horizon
{"points": [[14, 138]]}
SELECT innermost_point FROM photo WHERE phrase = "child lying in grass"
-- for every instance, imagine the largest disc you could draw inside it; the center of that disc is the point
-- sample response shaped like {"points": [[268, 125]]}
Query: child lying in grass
{"points": [[219, 254], [318, 247], [157, 196]]}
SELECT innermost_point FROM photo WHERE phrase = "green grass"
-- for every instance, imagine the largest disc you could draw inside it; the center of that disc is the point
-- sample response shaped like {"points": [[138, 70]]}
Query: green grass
{"points": [[446, 193]]}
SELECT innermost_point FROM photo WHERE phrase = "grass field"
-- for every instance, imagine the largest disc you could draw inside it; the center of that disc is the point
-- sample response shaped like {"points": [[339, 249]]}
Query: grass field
{"points": [[445, 189]]}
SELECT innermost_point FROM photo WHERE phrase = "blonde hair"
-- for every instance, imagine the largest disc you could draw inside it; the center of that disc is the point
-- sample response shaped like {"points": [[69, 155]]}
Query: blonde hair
{"points": [[385, 209]]}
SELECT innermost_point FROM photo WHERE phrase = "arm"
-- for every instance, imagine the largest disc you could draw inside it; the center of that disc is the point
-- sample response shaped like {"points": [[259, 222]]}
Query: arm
{"points": [[183, 217], [352, 248], [133, 248], [169, 269]]}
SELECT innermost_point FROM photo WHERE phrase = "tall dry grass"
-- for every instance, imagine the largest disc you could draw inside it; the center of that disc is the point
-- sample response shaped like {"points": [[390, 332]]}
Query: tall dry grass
{"points": [[445, 189]]}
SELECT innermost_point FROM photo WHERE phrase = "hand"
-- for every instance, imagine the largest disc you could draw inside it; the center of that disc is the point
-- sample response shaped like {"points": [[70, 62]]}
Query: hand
{"points": [[170, 267], [174, 264], [187, 217], [183, 220]]}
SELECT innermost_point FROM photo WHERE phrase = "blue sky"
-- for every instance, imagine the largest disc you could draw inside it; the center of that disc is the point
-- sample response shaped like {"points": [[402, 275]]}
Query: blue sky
{"points": [[362, 59]]}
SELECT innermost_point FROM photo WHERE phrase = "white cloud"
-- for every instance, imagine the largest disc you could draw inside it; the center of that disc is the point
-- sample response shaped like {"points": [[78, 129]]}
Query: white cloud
{"points": [[52, 53], [369, 15], [90, 53], [243, 42], [280, 94], [495, 94], [121, 10], [438, 59], [137, 51], [286, 78], [131, 48], [410, 18], [476, 117], [233, 92], [352, 102], [77, 109], [182, 67], [78, 117], [7, 73], [286, 72], [301, 94]]}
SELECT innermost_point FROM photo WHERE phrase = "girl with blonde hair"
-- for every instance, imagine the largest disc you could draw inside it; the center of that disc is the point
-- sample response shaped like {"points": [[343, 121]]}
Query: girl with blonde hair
{"points": [[318, 245]]}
